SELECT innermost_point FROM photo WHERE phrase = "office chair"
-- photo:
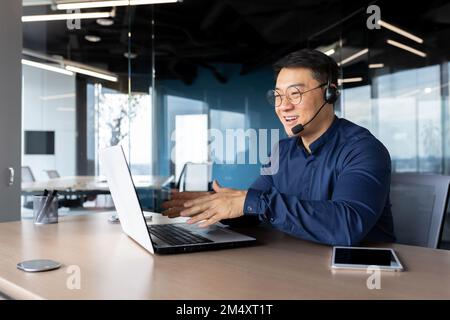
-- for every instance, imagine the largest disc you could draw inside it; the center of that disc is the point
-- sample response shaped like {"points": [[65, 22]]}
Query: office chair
{"points": [[419, 203], [445, 239], [27, 174], [52, 174], [195, 177]]}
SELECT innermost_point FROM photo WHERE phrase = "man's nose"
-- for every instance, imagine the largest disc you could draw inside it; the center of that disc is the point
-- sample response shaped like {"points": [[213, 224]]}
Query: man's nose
{"points": [[286, 104]]}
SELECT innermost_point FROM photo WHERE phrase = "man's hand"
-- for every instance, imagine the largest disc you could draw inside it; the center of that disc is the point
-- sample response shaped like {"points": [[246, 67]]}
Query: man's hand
{"points": [[177, 199], [226, 203]]}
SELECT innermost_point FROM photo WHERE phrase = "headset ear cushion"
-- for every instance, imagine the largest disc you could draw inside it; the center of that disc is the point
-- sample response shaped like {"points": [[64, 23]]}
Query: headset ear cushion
{"points": [[331, 94]]}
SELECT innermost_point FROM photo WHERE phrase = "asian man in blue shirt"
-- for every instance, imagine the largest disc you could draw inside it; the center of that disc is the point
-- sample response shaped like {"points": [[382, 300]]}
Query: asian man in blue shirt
{"points": [[332, 180]]}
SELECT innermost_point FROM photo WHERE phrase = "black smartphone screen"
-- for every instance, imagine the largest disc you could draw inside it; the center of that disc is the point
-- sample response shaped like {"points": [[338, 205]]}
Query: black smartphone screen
{"points": [[363, 256]]}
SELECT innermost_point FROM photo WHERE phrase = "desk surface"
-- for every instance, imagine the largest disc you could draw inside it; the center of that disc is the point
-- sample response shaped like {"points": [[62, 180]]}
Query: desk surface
{"points": [[281, 267], [91, 183]]}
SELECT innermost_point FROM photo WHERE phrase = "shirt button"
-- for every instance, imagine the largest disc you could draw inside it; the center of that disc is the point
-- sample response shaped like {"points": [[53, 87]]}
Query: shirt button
{"points": [[249, 208], [272, 219]]}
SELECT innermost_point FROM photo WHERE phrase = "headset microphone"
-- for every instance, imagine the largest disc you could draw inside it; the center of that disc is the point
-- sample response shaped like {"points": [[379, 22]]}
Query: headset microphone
{"points": [[330, 96], [300, 127]]}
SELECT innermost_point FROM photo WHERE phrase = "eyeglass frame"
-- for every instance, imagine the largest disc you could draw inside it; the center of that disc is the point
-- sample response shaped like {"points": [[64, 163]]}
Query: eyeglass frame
{"points": [[292, 86]]}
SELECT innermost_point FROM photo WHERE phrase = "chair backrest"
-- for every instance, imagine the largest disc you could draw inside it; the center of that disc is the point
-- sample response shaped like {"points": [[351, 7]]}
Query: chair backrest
{"points": [[195, 177], [52, 174], [27, 174], [419, 203]]}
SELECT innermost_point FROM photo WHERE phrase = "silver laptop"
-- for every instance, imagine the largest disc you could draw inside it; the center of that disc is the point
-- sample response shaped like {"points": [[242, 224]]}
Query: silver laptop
{"points": [[158, 238]]}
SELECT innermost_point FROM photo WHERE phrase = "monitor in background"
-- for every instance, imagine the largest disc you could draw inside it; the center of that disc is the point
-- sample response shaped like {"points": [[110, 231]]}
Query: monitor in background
{"points": [[39, 142]]}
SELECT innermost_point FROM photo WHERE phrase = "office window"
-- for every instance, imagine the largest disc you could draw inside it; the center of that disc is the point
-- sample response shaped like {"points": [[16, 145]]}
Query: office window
{"points": [[140, 141], [358, 106], [232, 121], [191, 140], [126, 120], [48, 114], [405, 114]]}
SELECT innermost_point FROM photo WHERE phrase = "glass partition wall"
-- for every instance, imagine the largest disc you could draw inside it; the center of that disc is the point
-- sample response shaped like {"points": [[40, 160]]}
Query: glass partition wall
{"points": [[87, 84], [393, 74], [186, 82], [213, 60]]}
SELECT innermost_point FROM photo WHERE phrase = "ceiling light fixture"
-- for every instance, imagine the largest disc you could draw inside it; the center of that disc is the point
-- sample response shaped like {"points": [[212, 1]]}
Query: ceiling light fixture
{"points": [[105, 22], [46, 67], [353, 56], [92, 38], [58, 96], [376, 65], [66, 16], [92, 73], [407, 48], [111, 3], [330, 52], [400, 31], [349, 80], [130, 55]]}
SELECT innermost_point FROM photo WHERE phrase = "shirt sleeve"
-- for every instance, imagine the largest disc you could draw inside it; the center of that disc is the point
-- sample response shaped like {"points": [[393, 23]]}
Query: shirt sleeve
{"points": [[253, 204], [357, 201]]}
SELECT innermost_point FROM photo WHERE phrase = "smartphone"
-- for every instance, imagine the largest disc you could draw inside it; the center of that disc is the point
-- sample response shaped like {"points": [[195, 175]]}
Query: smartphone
{"points": [[362, 258]]}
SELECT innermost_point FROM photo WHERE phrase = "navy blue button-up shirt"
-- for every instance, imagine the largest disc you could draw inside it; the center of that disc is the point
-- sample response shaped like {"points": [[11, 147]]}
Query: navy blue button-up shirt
{"points": [[338, 194]]}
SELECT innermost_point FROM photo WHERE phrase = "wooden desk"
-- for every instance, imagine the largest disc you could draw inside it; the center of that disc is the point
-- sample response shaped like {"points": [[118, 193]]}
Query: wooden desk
{"points": [[89, 184], [280, 267]]}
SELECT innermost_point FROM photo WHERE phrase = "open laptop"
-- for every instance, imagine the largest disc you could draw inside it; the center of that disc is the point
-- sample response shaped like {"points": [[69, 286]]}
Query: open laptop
{"points": [[158, 238]]}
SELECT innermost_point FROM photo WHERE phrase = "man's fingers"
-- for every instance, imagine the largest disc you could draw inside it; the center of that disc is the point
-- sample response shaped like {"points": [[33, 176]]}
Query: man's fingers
{"points": [[180, 198], [173, 203], [188, 195], [200, 208], [200, 200], [172, 212], [205, 215], [212, 220]]}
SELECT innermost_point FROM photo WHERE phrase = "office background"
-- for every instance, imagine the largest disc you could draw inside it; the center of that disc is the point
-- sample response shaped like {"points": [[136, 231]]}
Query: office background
{"points": [[200, 65]]}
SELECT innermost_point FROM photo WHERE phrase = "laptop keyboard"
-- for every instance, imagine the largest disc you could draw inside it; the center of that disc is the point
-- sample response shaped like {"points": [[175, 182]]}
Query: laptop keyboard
{"points": [[176, 236]]}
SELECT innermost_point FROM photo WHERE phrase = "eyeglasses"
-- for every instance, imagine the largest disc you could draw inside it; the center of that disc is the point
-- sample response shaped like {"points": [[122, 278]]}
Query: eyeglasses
{"points": [[293, 94]]}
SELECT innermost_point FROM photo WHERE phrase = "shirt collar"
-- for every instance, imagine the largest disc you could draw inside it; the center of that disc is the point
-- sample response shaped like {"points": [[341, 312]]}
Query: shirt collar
{"points": [[324, 138]]}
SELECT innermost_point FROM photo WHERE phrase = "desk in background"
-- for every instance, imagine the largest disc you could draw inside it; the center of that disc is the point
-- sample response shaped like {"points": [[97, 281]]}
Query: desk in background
{"points": [[281, 267], [90, 184], [147, 187]]}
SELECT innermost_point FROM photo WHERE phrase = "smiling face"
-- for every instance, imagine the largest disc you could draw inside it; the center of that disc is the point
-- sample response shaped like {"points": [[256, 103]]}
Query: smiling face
{"points": [[292, 114]]}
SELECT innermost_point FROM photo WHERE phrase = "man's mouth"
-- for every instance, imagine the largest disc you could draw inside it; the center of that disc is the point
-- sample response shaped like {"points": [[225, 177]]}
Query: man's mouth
{"points": [[290, 119]]}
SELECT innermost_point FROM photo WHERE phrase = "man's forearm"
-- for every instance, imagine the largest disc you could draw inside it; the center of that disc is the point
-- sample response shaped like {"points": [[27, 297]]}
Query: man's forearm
{"points": [[333, 222]]}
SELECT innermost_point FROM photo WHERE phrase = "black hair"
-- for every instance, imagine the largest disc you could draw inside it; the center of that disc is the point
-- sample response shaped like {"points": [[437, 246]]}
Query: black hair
{"points": [[318, 62]]}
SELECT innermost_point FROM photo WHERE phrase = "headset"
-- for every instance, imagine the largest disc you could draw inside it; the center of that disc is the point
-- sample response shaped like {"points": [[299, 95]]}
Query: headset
{"points": [[330, 96]]}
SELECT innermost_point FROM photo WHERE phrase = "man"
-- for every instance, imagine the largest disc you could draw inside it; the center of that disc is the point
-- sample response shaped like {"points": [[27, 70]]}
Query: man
{"points": [[333, 178]]}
